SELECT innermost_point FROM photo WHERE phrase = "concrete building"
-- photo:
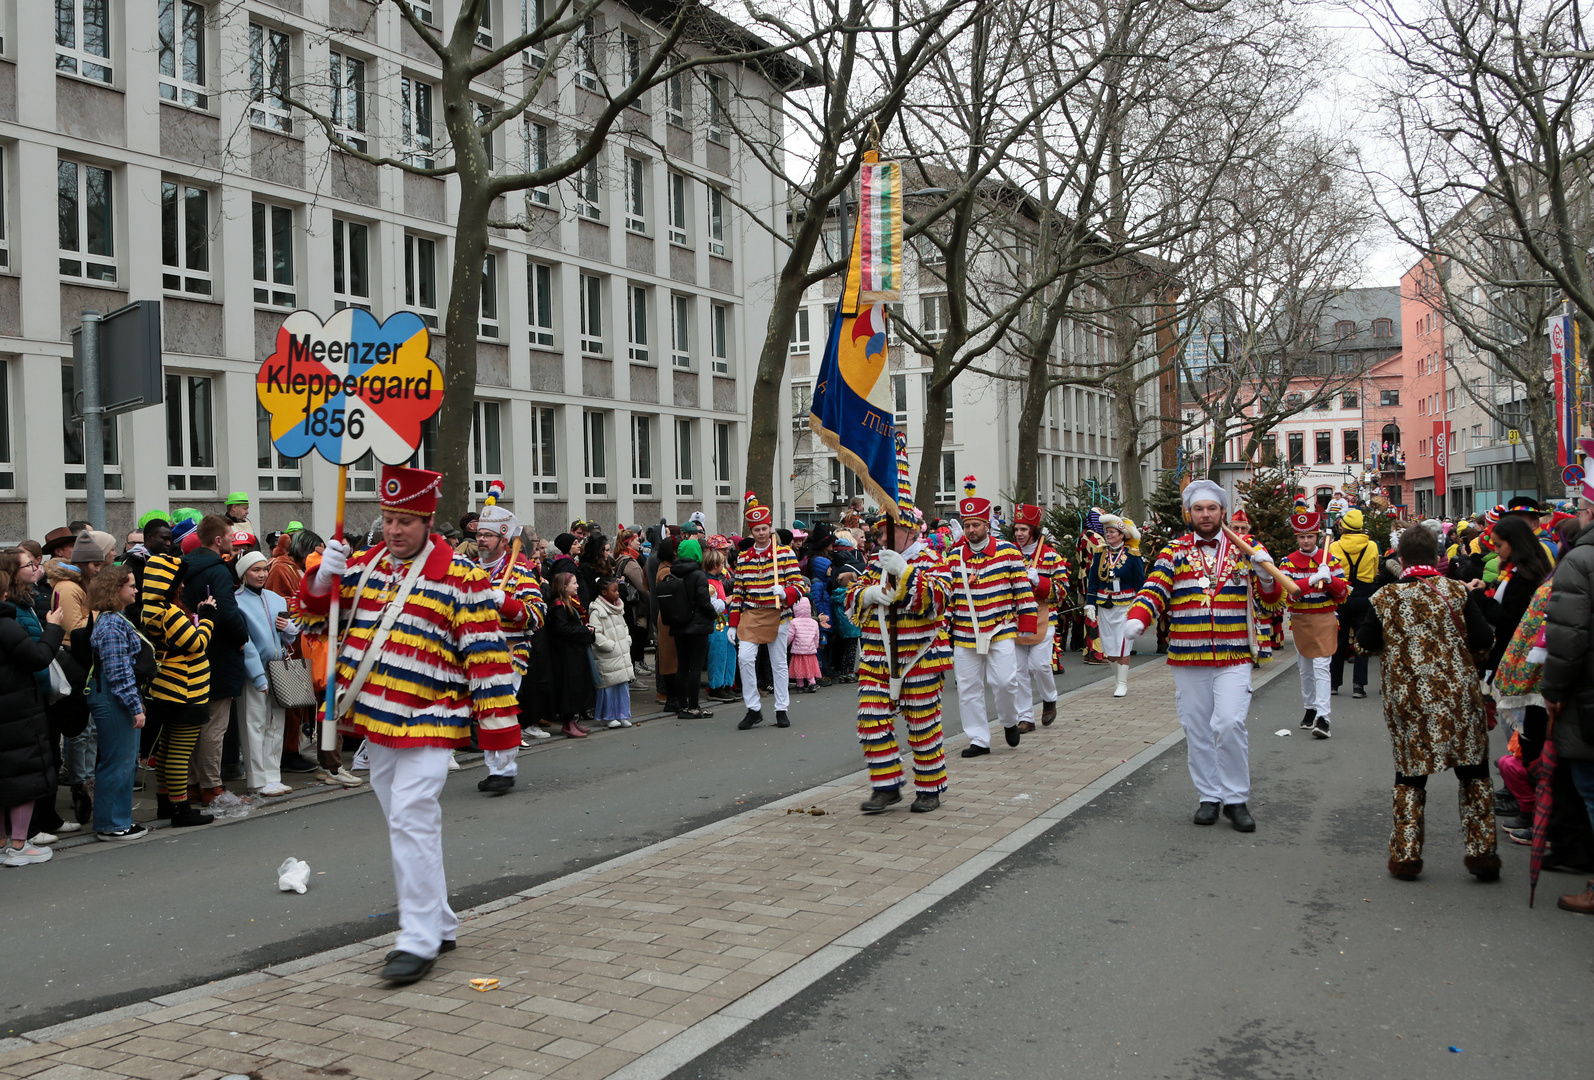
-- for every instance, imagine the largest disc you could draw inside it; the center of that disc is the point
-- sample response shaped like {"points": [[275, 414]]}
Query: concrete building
{"points": [[145, 153]]}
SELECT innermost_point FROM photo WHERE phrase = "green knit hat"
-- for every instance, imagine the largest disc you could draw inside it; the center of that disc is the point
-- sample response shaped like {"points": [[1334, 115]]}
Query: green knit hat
{"points": [[152, 515], [689, 550]]}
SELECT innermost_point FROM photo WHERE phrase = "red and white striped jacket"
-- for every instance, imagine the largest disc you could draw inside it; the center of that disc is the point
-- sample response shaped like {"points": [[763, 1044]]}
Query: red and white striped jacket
{"points": [[996, 578]]}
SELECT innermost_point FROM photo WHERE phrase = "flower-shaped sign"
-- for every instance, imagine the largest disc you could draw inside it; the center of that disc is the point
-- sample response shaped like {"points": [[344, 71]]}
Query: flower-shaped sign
{"points": [[350, 385]]}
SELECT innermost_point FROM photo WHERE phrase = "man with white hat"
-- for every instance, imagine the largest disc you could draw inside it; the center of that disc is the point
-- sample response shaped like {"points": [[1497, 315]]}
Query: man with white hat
{"points": [[1213, 595], [520, 611], [1115, 575], [1048, 578], [992, 604]]}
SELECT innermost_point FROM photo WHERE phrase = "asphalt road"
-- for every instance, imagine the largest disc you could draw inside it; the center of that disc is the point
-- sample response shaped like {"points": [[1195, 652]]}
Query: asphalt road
{"points": [[107, 925], [1128, 942]]}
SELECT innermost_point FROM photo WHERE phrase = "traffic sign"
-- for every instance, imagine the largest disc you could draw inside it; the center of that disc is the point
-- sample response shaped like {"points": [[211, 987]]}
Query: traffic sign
{"points": [[1513, 436], [1572, 475]]}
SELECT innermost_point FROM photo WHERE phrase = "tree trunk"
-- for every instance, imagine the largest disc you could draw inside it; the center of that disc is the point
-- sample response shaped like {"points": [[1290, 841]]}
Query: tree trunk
{"points": [[1540, 403], [1026, 483], [769, 410], [1126, 427], [935, 398]]}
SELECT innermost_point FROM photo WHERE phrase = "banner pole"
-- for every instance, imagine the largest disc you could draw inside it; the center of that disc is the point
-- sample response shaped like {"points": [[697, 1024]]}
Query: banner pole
{"points": [[329, 720]]}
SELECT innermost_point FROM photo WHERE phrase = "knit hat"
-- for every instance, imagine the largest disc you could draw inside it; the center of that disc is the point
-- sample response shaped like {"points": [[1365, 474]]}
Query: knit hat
{"points": [[187, 513], [183, 528], [689, 550], [152, 515], [564, 542], [92, 547], [1352, 520], [253, 558]]}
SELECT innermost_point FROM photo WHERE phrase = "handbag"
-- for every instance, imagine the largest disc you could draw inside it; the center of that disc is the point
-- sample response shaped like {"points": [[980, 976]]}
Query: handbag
{"points": [[290, 682]]}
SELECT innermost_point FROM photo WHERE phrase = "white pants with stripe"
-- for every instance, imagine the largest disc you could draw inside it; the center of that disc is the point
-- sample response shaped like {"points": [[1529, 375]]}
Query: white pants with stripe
{"points": [[999, 667], [407, 783], [747, 664], [1314, 683], [1212, 703], [1035, 670]]}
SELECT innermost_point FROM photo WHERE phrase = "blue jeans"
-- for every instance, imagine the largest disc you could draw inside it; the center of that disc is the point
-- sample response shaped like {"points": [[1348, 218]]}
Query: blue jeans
{"points": [[116, 763], [77, 755], [1583, 777]]}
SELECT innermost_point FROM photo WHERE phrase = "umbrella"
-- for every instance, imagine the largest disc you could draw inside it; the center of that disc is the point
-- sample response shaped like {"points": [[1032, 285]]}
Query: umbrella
{"points": [[1543, 770]]}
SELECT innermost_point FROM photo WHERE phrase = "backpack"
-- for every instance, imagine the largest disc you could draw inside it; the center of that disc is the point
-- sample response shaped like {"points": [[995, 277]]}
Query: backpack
{"points": [[629, 596], [675, 607]]}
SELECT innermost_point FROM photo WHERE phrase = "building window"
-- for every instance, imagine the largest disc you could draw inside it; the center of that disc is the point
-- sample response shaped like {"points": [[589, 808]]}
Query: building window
{"points": [[85, 222], [1344, 329], [641, 455], [489, 305], [935, 316], [1389, 397], [799, 332], [801, 402], [719, 343], [348, 99], [1350, 399], [537, 157], [636, 321], [190, 434], [539, 302], [679, 215], [1352, 438], [1270, 450], [420, 278], [8, 476], [683, 457], [1325, 447], [415, 121], [716, 108], [631, 48], [486, 446], [544, 471], [677, 99], [586, 43], [362, 475], [636, 186], [5, 246], [1345, 362], [594, 435], [592, 314], [423, 10], [83, 38], [949, 476], [281, 476], [1297, 445], [925, 385], [72, 441], [899, 400], [681, 331], [1323, 403], [589, 191], [484, 117], [1294, 401], [185, 238], [351, 264], [722, 460], [716, 221], [268, 78], [273, 255], [531, 17], [484, 29], [1383, 328], [182, 52]]}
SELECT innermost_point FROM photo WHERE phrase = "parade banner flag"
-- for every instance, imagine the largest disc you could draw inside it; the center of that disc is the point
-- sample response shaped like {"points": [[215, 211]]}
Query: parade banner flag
{"points": [[1441, 459], [851, 408], [1563, 363], [880, 223]]}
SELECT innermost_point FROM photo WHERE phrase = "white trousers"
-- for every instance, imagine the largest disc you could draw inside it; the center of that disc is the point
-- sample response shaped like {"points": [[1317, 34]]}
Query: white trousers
{"points": [[502, 762], [1035, 669], [747, 663], [1110, 623], [262, 738], [1000, 668], [1314, 683], [1212, 703], [407, 783]]}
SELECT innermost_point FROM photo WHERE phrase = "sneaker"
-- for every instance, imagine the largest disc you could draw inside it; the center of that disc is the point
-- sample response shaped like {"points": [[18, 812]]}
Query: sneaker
{"points": [[1358, 691], [132, 832], [298, 763], [453, 762], [43, 839], [612, 723], [1520, 836], [27, 855], [534, 733], [1320, 728], [362, 758], [68, 827], [624, 723], [346, 778], [1308, 719], [276, 790]]}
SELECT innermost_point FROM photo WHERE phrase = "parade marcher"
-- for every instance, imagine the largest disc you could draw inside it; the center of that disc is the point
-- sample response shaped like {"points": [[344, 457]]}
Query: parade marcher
{"points": [[1213, 595], [1115, 575], [1048, 579], [414, 701], [518, 597], [909, 584], [1313, 620], [1360, 557], [766, 583], [992, 606]]}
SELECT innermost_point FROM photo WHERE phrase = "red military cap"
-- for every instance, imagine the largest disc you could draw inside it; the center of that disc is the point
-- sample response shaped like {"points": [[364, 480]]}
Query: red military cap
{"points": [[971, 505], [1306, 522], [1027, 514], [410, 491], [756, 513]]}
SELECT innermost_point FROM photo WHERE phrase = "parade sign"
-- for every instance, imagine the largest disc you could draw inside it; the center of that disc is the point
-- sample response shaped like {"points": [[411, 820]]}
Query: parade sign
{"points": [[349, 386]]}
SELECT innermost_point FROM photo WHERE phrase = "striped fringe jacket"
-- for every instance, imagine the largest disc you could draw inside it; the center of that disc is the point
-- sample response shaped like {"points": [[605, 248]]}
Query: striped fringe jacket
{"points": [[766, 579], [523, 612], [1207, 627], [1315, 599], [998, 580], [444, 664], [182, 670], [920, 604]]}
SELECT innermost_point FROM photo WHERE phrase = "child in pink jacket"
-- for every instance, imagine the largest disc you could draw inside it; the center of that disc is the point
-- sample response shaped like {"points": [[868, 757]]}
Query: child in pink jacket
{"points": [[804, 666]]}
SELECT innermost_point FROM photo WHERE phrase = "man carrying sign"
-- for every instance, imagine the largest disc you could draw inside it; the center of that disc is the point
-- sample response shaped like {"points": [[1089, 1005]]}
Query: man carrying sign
{"points": [[422, 656]]}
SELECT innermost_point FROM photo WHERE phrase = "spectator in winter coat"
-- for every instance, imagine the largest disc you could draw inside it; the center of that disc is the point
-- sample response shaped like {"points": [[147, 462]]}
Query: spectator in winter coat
{"points": [[116, 703], [207, 576], [570, 665], [691, 639], [27, 766], [271, 635], [804, 666], [611, 652]]}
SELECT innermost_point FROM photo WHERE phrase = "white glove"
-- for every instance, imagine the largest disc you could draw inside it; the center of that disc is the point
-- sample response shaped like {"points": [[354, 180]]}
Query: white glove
{"points": [[892, 563], [1261, 560], [719, 605], [875, 596], [1090, 611], [1320, 577], [1133, 629], [730, 634], [334, 561], [497, 597], [1034, 577]]}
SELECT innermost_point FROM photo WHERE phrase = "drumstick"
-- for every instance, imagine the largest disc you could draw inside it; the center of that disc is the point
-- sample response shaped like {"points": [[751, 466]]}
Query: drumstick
{"points": [[1288, 583]]}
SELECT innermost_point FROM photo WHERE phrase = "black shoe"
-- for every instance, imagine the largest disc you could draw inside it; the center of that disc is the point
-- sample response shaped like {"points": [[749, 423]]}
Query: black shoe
{"points": [[1506, 805], [1333, 691], [298, 763], [184, 816], [781, 719], [1520, 821], [752, 719], [447, 945], [495, 785], [925, 802], [1306, 721], [404, 968], [1206, 813], [1569, 862], [82, 804], [880, 799], [1358, 691], [132, 832], [163, 807], [1011, 734], [1240, 817], [976, 751], [1320, 728]]}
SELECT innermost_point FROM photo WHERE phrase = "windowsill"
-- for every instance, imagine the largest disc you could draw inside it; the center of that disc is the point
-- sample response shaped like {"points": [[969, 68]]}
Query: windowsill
{"points": [[683, 247], [678, 126], [109, 286], [276, 308], [188, 108], [91, 82], [174, 294], [293, 135], [482, 340], [720, 141], [632, 230]]}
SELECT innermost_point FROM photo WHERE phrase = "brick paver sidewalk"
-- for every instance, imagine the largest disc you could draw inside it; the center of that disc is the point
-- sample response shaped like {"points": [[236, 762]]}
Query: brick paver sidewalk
{"points": [[637, 965]]}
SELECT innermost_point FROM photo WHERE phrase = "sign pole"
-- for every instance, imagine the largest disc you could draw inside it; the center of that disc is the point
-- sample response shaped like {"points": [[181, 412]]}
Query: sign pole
{"points": [[93, 422], [329, 721]]}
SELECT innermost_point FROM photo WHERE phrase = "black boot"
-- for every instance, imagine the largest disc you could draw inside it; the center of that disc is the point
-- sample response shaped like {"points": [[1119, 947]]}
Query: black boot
{"points": [[163, 807], [1240, 817], [82, 805], [752, 719], [880, 799], [926, 801], [185, 815], [781, 719]]}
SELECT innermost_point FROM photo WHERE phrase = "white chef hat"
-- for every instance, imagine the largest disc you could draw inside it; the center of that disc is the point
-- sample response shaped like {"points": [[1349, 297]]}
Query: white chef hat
{"points": [[1200, 490]]}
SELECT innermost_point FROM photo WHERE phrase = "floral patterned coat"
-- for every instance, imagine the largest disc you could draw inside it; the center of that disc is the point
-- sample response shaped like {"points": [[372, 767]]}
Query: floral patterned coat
{"points": [[1432, 704]]}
